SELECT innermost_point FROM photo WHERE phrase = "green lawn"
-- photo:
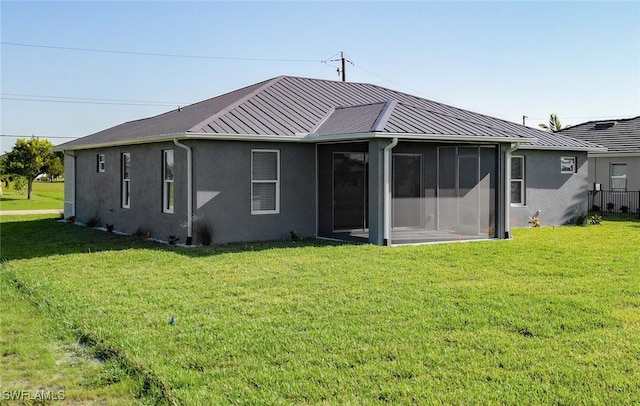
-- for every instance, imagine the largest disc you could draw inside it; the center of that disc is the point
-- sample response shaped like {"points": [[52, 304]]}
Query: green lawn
{"points": [[552, 316], [46, 195]]}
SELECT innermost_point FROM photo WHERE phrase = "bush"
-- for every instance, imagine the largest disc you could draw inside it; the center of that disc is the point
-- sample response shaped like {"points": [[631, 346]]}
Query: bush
{"points": [[624, 209], [610, 206], [203, 230], [595, 207], [581, 217], [139, 232], [94, 221]]}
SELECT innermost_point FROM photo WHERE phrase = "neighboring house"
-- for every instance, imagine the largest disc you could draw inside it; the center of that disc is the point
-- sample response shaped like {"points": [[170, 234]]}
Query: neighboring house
{"points": [[617, 168], [328, 159]]}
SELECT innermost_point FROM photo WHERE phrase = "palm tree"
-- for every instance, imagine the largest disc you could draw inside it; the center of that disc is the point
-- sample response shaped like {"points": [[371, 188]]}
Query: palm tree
{"points": [[554, 124]]}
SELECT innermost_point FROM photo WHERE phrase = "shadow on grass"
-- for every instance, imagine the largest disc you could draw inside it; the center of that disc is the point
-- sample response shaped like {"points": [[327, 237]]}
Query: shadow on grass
{"points": [[43, 237]]}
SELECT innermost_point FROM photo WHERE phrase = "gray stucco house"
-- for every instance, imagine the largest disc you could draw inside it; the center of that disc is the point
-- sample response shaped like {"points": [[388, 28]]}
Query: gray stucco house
{"points": [[617, 167], [327, 159]]}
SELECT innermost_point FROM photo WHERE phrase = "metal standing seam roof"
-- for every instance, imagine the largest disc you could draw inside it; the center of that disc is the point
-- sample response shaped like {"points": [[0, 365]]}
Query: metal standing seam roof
{"points": [[618, 136], [288, 106]]}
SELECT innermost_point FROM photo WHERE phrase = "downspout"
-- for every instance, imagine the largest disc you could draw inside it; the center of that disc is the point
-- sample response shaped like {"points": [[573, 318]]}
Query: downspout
{"points": [[507, 188], [387, 190], [189, 191]]}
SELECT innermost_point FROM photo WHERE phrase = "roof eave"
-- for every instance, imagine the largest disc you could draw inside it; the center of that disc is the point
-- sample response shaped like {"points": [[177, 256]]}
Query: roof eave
{"points": [[310, 138], [186, 136], [563, 148], [614, 154]]}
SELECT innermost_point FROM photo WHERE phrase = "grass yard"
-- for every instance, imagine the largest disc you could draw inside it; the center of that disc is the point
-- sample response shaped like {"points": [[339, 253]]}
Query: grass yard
{"points": [[552, 316], [46, 195]]}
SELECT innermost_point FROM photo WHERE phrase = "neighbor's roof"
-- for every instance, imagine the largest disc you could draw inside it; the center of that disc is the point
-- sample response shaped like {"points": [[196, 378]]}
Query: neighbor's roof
{"points": [[298, 108], [619, 136]]}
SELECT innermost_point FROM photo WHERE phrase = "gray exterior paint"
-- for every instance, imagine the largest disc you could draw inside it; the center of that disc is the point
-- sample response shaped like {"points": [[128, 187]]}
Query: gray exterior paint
{"points": [[307, 120], [621, 138], [557, 195], [224, 168], [221, 174], [600, 170]]}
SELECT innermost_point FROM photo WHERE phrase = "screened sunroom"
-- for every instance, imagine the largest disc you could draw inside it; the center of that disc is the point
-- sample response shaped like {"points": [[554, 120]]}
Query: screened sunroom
{"points": [[435, 192]]}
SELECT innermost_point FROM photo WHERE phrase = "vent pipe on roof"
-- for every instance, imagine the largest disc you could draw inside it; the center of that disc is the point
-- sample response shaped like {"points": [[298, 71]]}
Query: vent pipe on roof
{"points": [[189, 191]]}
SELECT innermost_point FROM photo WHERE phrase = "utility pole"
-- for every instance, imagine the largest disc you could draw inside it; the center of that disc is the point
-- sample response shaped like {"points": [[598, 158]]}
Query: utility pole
{"points": [[343, 61]]}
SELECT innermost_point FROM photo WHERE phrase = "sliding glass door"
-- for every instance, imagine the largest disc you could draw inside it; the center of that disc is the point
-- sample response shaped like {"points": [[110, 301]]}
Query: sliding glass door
{"points": [[350, 191]]}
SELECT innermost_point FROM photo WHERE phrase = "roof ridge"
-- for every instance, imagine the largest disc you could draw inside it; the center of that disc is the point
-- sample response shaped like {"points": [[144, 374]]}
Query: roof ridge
{"points": [[384, 116], [266, 84]]}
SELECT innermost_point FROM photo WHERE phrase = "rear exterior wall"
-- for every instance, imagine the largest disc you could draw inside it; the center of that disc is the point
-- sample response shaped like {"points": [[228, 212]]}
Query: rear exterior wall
{"points": [[557, 195], [221, 192]]}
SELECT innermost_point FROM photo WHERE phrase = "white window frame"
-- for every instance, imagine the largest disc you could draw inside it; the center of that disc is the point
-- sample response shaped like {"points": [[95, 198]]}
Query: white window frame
{"points": [[276, 210], [568, 164], [125, 177], [168, 190], [522, 182], [617, 177], [101, 163]]}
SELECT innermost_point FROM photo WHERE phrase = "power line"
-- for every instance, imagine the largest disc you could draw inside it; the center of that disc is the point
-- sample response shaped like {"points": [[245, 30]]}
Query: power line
{"points": [[93, 99], [114, 51], [86, 102], [33, 135]]}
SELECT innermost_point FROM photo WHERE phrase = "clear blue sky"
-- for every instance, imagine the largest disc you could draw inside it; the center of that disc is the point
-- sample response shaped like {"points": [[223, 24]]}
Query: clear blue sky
{"points": [[580, 60]]}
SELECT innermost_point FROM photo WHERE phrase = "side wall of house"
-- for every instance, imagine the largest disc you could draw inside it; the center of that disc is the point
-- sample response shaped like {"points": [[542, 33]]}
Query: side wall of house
{"points": [[221, 190], [99, 194], [557, 195], [600, 171], [223, 182]]}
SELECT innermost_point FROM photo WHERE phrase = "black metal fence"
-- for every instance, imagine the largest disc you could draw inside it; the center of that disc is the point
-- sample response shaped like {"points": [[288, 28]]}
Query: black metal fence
{"points": [[614, 203]]}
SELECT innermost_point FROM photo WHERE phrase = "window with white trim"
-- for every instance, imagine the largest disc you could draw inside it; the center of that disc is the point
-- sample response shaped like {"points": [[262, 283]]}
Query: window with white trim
{"points": [[126, 179], [167, 181], [568, 164], [517, 181], [619, 177], [100, 163], [265, 181]]}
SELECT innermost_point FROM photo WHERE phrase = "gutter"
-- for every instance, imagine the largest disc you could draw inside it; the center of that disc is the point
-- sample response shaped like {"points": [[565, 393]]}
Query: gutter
{"points": [[189, 191], [507, 188], [301, 137], [387, 190]]}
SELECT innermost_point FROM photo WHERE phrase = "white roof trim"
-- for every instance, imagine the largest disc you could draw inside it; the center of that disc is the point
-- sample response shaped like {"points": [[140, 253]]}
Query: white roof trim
{"points": [[305, 138], [614, 154], [562, 148]]}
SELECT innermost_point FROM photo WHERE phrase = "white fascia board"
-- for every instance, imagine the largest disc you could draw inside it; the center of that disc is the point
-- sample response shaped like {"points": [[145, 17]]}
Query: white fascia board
{"points": [[188, 136], [563, 148], [614, 154], [305, 138]]}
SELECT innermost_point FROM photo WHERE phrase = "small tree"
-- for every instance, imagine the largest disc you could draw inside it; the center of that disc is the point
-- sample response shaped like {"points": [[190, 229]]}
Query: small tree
{"points": [[554, 124], [55, 168], [29, 158]]}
